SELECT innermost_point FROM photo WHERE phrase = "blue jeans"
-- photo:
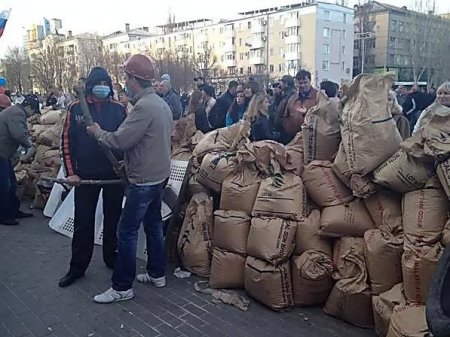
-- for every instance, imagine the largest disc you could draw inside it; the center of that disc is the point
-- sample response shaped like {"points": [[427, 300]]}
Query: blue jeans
{"points": [[9, 202], [143, 204]]}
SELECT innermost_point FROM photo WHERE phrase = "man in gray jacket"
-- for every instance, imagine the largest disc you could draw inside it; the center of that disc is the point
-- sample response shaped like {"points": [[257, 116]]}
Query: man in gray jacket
{"points": [[170, 96], [13, 133], [145, 138]]}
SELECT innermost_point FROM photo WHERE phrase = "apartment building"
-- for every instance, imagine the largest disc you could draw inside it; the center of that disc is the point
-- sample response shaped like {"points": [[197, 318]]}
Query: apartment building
{"points": [[383, 37], [267, 42]]}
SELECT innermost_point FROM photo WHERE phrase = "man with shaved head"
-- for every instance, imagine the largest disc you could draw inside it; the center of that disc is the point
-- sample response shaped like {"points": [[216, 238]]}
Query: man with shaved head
{"points": [[170, 97]]}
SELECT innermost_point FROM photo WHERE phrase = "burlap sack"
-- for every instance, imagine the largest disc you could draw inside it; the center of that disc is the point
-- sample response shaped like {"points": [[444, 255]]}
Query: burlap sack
{"points": [[311, 278], [50, 117], [183, 130], [271, 285], [239, 191], [383, 307], [383, 253], [52, 136], [323, 186], [408, 321], [445, 240], [443, 173], [403, 173], [343, 247], [351, 219], [418, 265], [432, 141], [181, 153], [194, 186], [271, 239], [369, 133], [38, 129], [194, 242], [224, 139], [424, 215], [285, 201], [350, 298], [40, 151], [385, 210], [227, 269], [361, 186], [231, 231], [307, 236], [294, 152], [321, 130], [214, 169]]}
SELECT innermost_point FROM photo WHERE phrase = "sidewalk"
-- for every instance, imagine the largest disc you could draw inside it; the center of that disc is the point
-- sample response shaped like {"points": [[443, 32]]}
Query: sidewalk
{"points": [[33, 258]]}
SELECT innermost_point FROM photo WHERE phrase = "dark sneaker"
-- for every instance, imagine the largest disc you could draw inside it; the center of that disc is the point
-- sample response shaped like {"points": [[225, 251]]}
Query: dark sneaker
{"points": [[68, 279], [22, 215]]}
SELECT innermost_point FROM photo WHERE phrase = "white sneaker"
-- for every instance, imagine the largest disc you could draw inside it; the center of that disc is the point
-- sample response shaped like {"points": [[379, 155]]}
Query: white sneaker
{"points": [[157, 282], [111, 296]]}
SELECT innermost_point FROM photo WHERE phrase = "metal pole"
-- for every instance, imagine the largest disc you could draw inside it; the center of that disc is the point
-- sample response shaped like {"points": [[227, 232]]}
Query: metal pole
{"points": [[363, 56], [267, 51]]}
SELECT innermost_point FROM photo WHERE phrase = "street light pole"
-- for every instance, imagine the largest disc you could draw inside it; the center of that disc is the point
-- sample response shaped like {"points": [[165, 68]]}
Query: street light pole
{"points": [[363, 36]]}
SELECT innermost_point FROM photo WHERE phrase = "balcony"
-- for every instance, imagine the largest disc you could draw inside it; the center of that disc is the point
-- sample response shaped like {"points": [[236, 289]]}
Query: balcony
{"points": [[229, 63], [257, 43], [291, 39], [292, 22], [229, 47], [292, 56], [255, 60]]}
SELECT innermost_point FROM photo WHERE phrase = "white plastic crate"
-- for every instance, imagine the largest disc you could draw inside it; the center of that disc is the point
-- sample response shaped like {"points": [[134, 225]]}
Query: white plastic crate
{"points": [[63, 219]]}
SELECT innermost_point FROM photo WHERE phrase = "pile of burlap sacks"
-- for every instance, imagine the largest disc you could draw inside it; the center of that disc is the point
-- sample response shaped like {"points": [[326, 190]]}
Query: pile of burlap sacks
{"points": [[43, 159], [347, 216]]}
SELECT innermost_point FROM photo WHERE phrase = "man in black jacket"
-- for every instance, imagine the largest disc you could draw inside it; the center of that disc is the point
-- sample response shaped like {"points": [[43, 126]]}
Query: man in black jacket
{"points": [[84, 159], [218, 114]]}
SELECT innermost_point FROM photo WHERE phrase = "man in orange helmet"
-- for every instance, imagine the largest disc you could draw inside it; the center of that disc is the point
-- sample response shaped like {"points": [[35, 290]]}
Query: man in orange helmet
{"points": [[4, 101], [145, 139]]}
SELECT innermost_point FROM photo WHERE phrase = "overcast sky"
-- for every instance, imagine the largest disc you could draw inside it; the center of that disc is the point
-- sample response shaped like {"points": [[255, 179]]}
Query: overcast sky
{"points": [[108, 16]]}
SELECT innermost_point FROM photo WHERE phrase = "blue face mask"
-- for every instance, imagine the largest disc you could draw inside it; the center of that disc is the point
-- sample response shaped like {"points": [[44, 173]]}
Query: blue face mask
{"points": [[101, 91]]}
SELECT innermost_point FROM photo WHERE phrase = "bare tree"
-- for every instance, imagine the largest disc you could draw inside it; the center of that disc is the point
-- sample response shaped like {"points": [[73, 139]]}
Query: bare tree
{"points": [[206, 62], [90, 54], [112, 61], [17, 69], [47, 68], [364, 28]]}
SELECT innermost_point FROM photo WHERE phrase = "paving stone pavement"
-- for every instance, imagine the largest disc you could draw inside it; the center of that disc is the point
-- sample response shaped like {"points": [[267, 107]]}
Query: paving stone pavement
{"points": [[33, 258]]}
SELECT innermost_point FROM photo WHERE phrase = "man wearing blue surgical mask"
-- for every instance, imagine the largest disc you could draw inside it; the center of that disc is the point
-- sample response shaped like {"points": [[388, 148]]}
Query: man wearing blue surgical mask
{"points": [[84, 159]]}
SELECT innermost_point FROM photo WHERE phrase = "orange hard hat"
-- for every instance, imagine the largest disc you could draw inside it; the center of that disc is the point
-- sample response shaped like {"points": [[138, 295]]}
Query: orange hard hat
{"points": [[139, 66], [4, 101]]}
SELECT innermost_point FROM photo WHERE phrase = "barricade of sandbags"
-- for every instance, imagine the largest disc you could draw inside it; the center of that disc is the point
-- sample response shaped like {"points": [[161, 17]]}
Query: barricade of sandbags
{"points": [[402, 173], [194, 241], [311, 277], [283, 199], [383, 252], [269, 284], [323, 186], [408, 320], [321, 130], [385, 210], [369, 133], [231, 230], [350, 299], [308, 238], [383, 307], [294, 152], [350, 219], [227, 269], [443, 173], [214, 169]]}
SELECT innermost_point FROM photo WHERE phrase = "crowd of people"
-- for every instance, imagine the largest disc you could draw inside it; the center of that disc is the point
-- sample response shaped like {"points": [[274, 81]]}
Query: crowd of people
{"points": [[136, 123]]}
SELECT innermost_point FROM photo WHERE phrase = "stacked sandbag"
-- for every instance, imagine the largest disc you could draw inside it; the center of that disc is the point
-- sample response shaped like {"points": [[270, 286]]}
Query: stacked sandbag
{"points": [[351, 298], [194, 241], [267, 271], [229, 243], [424, 219], [214, 169], [294, 153], [408, 320], [383, 307], [321, 130], [184, 137]]}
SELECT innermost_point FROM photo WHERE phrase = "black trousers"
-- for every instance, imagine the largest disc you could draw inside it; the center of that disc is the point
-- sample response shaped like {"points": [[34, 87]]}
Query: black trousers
{"points": [[86, 198]]}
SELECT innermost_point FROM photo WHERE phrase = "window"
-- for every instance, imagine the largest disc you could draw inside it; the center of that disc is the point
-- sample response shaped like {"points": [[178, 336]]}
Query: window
{"points": [[325, 65], [326, 49], [271, 51], [241, 56], [345, 18], [233, 40], [249, 24], [240, 42], [241, 71], [401, 27], [271, 68], [344, 34], [281, 52], [394, 25], [326, 32], [343, 66], [326, 14], [392, 42], [249, 70]]}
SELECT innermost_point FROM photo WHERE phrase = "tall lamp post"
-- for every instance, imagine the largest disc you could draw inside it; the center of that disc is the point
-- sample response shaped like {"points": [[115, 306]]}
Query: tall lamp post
{"points": [[363, 36]]}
